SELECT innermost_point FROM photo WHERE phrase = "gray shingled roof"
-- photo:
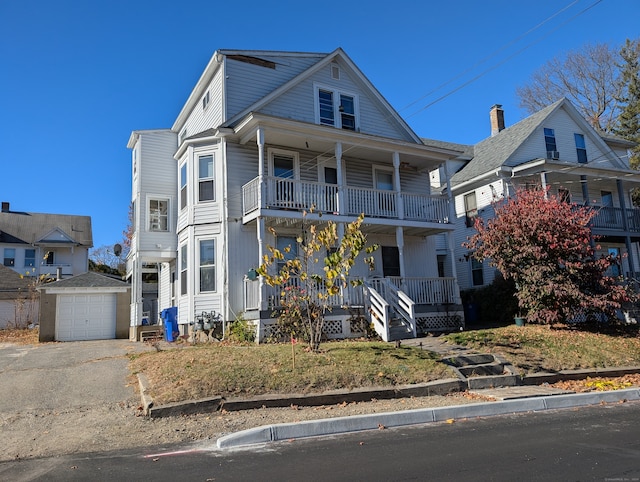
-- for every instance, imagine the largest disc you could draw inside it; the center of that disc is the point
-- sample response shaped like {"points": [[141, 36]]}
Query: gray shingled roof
{"points": [[12, 281], [493, 152], [465, 149], [89, 279], [30, 228]]}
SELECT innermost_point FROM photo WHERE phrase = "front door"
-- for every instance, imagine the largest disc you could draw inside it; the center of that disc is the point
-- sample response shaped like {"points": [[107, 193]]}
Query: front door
{"points": [[390, 261], [386, 202]]}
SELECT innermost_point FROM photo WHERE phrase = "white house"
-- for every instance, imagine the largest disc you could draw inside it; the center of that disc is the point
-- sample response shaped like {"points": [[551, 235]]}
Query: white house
{"points": [[35, 244], [263, 137], [555, 148]]}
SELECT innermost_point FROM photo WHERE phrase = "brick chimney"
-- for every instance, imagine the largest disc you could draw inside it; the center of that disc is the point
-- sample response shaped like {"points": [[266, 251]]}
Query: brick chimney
{"points": [[5, 207], [496, 114]]}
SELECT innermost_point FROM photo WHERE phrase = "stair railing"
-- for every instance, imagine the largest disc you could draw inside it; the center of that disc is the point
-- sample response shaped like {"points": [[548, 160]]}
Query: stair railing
{"points": [[379, 311]]}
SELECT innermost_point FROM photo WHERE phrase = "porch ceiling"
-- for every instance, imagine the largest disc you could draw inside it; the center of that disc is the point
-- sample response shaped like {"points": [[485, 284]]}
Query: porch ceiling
{"points": [[304, 136]]}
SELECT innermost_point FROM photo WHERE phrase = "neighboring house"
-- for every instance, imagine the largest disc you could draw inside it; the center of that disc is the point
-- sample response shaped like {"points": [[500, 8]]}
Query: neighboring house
{"points": [[18, 300], [555, 148], [89, 306], [263, 137], [53, 245]]}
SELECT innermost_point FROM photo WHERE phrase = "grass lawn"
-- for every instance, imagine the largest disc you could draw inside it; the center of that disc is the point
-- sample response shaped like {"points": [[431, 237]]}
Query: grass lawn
{"points": [[534, 348], [245, 370]]}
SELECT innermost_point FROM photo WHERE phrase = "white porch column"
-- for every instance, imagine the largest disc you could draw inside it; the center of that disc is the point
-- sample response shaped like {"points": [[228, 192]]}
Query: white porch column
{"points": [[543, 182], [261, 166], [400, 244], [452, 221], [261, 286], [341, 200], [396, 184], [136, 292], [625, 226]]}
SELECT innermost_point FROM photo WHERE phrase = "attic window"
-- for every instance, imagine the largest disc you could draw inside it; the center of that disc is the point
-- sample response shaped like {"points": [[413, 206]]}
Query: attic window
{"points": [[205, 100], [338, 109], [253, 60], [335, 72]]}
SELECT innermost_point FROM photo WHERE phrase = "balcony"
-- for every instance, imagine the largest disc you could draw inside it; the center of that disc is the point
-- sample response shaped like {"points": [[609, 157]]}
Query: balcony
{"points": [[52, 269], [290, 194], [614, 219]]}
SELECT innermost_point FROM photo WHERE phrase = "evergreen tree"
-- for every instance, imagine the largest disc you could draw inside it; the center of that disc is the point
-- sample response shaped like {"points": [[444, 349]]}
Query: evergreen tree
{"points": [[629, 118]]}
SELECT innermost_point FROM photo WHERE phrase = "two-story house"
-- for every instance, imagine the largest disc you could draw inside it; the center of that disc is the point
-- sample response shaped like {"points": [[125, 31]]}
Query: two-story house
{"points": [[263, 138], [38, 244], [558, 150]]}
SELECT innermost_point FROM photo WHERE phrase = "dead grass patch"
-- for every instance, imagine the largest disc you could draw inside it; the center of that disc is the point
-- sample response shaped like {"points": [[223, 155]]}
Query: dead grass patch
{"points": [[535, 348], [19, 336], [232, 370]]}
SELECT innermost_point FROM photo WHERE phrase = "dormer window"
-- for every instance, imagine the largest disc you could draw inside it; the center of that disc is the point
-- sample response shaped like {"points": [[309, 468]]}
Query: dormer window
{"points": [[337, 109]]}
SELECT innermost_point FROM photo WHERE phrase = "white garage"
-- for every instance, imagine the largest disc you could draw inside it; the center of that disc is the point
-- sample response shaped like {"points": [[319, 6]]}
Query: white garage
{"points": [[89, 306], [86, 317]]}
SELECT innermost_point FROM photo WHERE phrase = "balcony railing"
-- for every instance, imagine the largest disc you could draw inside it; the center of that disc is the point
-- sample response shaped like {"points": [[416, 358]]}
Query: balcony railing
{"points": [[291, 194], [613, 218]]}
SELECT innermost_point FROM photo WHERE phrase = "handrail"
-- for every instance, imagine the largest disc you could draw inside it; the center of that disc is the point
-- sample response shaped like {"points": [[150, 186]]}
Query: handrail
{"points": [[379, 311]]}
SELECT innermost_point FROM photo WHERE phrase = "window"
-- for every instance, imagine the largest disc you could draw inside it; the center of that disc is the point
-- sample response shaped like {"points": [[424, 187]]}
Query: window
{"points": [[335, 71], [158, 215], [564, 195], [183, 186], [205, 178], [337, 109], [550, 140], [390, 261], [29, 258], [347, 112], [470, 208], [207, 266], [581, 148], [476, 272], [182, 136], [49, 258], [325, 100], [9, 257], [205, 100], [288, 246], [285, 166], [386, 200], [183, 270]]}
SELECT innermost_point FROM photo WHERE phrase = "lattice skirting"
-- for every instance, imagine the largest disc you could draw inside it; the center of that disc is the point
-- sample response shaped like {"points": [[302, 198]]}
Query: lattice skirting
{"points": [[335, 328], [429, 322]]}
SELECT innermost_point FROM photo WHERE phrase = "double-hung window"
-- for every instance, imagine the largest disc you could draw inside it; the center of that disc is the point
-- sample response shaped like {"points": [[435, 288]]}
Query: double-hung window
{"points": [[183, 269], [550, 143], [288, 246], [205, 178], [581, 148], [183, 186], [9, 257], [207, 265], [29, 258], [477, 275], [335, 108], [470, 208], [158, 215]]}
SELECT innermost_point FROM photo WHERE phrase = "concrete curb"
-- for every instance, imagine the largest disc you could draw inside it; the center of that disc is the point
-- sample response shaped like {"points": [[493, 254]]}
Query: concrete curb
{"points": [[313, 428]]}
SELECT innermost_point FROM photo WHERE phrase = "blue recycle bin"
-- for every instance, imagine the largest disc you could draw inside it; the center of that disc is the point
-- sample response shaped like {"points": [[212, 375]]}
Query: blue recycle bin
{"points": [[170, 323]]}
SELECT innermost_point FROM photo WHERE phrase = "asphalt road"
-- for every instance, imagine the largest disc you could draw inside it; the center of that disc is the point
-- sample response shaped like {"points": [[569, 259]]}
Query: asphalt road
{"points": [[590, 443]]}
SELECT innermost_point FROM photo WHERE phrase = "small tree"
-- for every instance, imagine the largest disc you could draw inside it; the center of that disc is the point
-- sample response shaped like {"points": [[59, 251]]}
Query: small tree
{"points": [[544, 245], [310, 280]]}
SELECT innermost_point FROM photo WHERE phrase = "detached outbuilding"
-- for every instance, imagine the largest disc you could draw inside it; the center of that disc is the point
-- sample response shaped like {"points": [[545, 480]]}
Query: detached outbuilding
{"points": [[18, 300], [89, 306]]}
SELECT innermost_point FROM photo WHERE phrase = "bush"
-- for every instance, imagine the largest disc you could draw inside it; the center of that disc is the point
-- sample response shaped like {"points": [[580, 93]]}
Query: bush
{"points": [[242, 331], [495, 303]]}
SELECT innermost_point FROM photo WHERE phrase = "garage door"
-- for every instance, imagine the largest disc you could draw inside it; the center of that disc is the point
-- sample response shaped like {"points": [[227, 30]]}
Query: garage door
{"points": [[85, 317]]}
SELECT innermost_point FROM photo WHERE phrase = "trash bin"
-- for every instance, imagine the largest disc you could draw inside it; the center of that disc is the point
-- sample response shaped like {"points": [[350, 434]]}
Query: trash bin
{"points": [[470, 313], [170, 323]]}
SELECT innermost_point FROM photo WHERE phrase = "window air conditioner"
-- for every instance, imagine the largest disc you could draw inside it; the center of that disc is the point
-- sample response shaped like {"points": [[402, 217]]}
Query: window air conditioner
{"points": [[553, 155]]}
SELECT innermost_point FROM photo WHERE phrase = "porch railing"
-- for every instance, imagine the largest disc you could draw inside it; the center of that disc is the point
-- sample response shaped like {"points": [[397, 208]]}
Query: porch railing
{"points": [[291, 194], [429, 291], [379, 310], [613, 218]]}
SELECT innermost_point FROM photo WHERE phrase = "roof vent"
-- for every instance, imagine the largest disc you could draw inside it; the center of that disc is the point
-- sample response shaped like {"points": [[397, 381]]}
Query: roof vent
{"points": [[5, 207]]}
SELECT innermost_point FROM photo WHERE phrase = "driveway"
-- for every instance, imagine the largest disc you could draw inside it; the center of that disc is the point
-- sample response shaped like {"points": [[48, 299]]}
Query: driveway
{"points": [[63, 376]]}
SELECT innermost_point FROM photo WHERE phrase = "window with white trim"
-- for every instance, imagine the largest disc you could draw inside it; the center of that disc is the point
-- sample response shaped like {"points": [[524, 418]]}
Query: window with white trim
{"points": [[29, 258], [207, 265], [338, 109], [477, 275], [183, 186], [158, 215], [183, 269], [581, 148], [206, 189], [9, 257], [205, 100], [470, 209]]}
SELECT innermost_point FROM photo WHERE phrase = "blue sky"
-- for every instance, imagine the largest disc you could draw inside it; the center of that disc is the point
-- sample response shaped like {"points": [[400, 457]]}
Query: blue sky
{"points": [[77, 76]]}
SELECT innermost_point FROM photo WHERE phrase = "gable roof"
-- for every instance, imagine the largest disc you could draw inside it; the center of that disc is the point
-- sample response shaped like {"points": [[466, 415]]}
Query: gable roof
{"points": [[32, 228], [328, 58], [494, 153]]}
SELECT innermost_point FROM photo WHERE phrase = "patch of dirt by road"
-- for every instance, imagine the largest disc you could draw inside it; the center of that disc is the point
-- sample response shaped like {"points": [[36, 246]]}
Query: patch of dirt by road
{"points": [[41, 434]]}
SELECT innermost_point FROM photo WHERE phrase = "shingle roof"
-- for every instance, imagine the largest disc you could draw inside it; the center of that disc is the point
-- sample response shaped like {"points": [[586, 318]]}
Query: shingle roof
{"points": [[89, 279], [465, 149], [30, 228], [493, 152], [12, 281]]}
